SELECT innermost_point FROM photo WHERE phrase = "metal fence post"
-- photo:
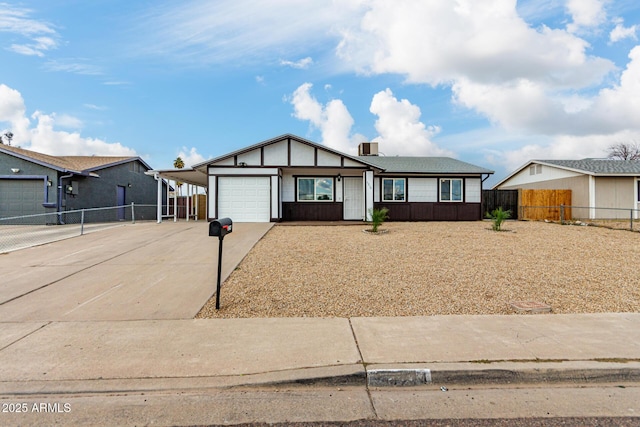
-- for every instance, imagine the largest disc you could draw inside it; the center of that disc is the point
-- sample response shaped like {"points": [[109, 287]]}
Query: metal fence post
{"points": [[133, 214], [631, 219], [82, 222], [562, 214]]}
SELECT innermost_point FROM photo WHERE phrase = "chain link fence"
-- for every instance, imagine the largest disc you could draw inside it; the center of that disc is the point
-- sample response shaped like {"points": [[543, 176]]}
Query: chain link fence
{"points": [[615, 218], [21, 232]]}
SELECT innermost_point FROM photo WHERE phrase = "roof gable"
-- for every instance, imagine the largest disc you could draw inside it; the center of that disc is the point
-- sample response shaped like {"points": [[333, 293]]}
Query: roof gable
{"points": [[248, 152], [594, 167]]}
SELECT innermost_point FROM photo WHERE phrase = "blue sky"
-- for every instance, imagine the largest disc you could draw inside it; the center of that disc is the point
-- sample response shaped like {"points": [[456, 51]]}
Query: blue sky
{"points": [[495, 83]]}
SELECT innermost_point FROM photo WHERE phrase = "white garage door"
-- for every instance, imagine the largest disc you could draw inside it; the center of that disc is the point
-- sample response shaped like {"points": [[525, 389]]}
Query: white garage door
{"points": [[245, 199]]}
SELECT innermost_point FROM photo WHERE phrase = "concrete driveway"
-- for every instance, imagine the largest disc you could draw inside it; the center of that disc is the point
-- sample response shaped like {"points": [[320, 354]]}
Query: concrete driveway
{"points": [[133, 272]]}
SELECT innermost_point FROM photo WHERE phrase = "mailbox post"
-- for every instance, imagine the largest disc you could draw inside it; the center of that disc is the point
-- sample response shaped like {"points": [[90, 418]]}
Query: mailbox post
{"points": [[220, 228]]}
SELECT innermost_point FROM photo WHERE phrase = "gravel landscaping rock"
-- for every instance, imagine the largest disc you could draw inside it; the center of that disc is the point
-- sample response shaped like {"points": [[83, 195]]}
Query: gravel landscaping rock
{"points": [[433, 268]]}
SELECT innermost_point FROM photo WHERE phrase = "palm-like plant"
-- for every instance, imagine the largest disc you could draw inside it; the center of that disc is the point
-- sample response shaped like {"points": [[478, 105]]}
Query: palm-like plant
{"points": [[378, 216], [178, 163], [498, 216]]}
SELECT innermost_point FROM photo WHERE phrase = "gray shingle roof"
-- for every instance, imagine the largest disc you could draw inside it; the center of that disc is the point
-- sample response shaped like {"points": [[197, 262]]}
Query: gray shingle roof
{"points": [[444, 165], [598, 166]]}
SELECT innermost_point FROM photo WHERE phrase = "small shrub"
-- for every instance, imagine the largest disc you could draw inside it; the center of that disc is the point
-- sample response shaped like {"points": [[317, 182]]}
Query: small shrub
{"points": [[498, 216], [378, 216]]}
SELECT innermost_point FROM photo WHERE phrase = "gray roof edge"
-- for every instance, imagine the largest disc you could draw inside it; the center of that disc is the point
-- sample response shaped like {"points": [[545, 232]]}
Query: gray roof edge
{"points": [[119, 162], [473, 169]]}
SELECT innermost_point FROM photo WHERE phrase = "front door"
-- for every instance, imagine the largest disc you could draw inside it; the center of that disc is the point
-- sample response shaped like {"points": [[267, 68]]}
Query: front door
{"points": [[120, 201], [353, 198]]}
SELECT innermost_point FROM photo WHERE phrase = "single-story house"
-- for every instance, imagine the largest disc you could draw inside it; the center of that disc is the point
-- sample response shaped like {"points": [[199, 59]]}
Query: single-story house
{"points": [[603, 185], [289, 178], [36, 183]]}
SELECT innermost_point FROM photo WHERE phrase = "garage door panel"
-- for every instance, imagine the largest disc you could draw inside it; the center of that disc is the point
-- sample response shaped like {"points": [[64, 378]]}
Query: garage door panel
{"points": [[21, 197], [245, 199]]}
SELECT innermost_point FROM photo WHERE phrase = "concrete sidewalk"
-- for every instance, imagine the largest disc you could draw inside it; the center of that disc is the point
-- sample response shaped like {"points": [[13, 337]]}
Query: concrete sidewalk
{"points": [[99, 357]]}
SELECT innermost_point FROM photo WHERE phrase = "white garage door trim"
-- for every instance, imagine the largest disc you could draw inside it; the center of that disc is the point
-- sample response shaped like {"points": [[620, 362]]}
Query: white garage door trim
{"points": [[244, 198]]}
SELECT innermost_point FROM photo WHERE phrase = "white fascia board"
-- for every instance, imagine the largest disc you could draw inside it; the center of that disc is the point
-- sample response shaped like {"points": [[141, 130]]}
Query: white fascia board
{"points": [[243, 171]]}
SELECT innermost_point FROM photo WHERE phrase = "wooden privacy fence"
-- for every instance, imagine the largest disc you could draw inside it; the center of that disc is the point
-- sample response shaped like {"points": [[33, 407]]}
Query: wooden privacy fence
{"points": [[539, 205], [506, 199]]}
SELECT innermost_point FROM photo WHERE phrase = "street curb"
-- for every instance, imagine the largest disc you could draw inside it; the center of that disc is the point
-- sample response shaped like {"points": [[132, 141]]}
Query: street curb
{"points": [[376, 376], [502, 373]]}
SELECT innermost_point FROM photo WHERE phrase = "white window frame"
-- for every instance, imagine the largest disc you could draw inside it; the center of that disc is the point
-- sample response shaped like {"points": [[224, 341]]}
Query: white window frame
{"points": [[451, 190], [315, 186], [393, 194]]}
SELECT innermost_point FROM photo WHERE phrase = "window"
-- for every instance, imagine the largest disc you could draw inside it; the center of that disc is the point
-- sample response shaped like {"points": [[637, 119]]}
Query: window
{"points": [[450, 190], [393, 189], [318, 189]]}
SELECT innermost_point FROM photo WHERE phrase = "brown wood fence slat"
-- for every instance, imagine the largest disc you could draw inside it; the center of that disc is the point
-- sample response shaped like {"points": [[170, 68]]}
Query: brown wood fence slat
{"points": [[539, 205]]}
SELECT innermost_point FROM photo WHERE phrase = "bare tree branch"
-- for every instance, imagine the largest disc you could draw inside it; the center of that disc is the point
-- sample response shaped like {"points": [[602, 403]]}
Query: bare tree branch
{"points": [[624, 151]]}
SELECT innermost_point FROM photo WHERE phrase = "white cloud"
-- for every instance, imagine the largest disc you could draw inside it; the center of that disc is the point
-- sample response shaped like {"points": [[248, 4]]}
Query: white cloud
{"points": [[44, 137], [94, 107], [190, 156], [301, 64], [67, 121], [620, 32], [586, 14], [399, 127], [440, 42], [564, 147], [243, 30], [333, 119], [75, 66], [400, 130], [40, 35], [533, 107]]}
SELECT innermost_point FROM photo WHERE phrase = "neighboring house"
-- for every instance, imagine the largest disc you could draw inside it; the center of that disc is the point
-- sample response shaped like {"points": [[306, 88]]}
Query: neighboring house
{"points": [[36, 183], [289, 178], [594, 183]]}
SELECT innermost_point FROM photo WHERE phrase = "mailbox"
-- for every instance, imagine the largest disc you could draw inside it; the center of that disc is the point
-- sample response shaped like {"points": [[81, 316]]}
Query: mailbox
{"points": [[220, 227]]}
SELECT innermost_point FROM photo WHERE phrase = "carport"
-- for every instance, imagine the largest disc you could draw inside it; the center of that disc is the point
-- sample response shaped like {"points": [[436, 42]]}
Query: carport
{"points": [[194, 179]]}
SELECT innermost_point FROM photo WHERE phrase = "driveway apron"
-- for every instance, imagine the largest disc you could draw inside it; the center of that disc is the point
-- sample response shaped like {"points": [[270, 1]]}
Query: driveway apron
{"points": [[141, 271]]}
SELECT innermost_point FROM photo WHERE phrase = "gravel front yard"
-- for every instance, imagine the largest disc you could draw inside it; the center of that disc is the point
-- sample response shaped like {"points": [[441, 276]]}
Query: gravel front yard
{"points": [[420, 269]]}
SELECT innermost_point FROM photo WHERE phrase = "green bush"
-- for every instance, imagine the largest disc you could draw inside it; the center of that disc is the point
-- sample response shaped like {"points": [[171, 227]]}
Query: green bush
{"points": [[377, 217], [498, 216]]}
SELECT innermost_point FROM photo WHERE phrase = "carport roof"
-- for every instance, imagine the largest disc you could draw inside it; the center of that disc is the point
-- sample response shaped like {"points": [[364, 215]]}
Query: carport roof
{"points": [[186, 175]]}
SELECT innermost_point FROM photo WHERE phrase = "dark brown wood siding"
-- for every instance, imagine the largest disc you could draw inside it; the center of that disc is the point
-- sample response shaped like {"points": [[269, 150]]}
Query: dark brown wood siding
{"points": [[312, 211], [432, 211]]}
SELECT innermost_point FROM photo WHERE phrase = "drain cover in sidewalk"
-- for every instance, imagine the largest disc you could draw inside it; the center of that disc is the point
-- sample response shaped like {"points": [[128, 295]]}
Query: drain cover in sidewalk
{"points": [[530, 307]]}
